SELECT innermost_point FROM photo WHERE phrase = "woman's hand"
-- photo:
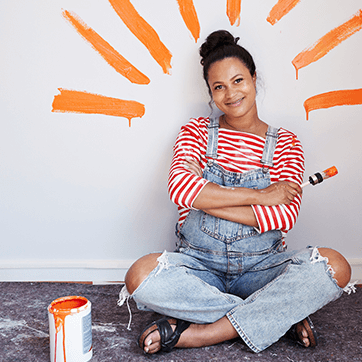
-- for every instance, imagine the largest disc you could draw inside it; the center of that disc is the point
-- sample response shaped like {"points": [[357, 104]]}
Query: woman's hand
{"points": [[193, 166], [278, 193]]}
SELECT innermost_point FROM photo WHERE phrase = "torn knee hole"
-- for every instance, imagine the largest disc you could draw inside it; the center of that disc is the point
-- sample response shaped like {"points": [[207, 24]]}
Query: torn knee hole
{"points": [[163, 263], [342, 279], [316, 257]]}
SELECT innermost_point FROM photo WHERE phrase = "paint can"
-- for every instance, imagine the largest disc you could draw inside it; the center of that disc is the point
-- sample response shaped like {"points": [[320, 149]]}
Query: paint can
{"points": [[70, 329]]}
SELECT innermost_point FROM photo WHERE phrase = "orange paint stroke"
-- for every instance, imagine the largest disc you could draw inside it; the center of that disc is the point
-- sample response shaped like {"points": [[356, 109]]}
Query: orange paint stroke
{"points": [[328, 42], [347, 97], [110, 55], [144, 32], [233, 11], [188, 13], [281, 8], [83, 102]]}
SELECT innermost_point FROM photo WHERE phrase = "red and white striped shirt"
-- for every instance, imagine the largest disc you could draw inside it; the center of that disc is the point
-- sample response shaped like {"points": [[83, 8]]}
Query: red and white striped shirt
{"points": [[237, 152]]}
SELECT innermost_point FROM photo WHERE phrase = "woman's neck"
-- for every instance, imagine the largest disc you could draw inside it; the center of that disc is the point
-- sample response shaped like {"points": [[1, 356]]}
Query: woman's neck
{"points": [[252, 125]]}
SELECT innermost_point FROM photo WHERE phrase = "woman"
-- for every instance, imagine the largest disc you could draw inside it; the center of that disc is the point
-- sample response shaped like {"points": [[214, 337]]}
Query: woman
{"points": [[236, 182]]}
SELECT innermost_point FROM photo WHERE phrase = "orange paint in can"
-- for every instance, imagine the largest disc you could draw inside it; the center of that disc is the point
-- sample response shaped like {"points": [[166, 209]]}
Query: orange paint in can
{"points": [[76, 334]]}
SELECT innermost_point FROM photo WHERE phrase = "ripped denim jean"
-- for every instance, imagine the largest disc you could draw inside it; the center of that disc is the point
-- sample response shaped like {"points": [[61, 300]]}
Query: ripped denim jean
{"points": [[286, 293]]}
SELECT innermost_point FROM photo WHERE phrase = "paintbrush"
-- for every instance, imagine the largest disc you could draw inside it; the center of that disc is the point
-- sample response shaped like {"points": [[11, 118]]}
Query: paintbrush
{"points": [[318, 177]]}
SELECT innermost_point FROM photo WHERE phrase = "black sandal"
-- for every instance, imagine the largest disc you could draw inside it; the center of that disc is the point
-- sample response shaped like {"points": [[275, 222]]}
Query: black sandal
{"points": [[312, 334], [169, 338]]}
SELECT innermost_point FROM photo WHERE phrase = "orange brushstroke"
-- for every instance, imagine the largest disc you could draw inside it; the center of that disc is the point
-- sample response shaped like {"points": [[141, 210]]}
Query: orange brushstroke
{"points": [[110, 55], [328, 42], [83, 102], [281, 8], [233, 11], [346, 97], [188, 13], [330, 172], [144, 32]]}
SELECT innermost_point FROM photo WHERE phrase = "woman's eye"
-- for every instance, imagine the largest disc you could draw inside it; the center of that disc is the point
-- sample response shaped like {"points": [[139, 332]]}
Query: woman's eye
{"points": [[218, 87], [238, 80]]}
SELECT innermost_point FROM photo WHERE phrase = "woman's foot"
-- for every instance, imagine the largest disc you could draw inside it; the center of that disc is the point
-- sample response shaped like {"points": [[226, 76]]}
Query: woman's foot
{"points": [[150, 338], [304, 333], [196, 335]]}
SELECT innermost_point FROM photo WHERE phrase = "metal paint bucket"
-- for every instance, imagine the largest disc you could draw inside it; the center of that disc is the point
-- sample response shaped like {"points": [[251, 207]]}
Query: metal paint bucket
{"points": [[70, 329]]}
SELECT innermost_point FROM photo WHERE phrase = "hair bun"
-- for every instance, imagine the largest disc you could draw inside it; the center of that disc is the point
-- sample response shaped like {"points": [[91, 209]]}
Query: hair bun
{"points": [[219, 38]]}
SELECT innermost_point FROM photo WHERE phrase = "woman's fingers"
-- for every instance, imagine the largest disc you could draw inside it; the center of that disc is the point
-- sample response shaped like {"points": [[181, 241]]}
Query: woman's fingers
{"points": [[295, 187], [193, 166], [279, 193]]}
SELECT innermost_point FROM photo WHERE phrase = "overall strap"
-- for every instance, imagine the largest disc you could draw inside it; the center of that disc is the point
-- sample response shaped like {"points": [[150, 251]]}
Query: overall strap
{"points": [[269, 148], [213, 135]]}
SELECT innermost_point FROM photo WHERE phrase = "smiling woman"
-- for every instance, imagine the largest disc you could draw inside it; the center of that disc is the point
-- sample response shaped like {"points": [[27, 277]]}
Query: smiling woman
{"points": [[237, 183]]}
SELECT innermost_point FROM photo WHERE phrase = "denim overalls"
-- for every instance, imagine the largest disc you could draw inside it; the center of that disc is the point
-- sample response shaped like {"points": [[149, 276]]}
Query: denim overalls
{"points": [[222, 268], [230, 248]]}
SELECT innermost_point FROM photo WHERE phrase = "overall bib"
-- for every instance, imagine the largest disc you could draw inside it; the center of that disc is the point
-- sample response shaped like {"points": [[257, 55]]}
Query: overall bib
{"points": [[222, 268]]}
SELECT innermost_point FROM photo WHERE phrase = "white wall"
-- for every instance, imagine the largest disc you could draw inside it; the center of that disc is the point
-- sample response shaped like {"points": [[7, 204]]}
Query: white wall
{"points": [[83, 196]]}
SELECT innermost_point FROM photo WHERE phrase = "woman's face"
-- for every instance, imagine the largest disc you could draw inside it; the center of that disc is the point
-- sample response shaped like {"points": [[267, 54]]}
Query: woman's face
{"points": [[232, 87]]}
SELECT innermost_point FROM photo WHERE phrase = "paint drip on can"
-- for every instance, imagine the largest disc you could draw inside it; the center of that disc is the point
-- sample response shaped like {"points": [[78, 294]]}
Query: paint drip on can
{"points": [[70, 329]]}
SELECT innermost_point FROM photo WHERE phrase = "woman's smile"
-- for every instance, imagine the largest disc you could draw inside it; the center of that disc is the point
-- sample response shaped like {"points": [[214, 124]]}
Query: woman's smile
{"points": [[236, 103]]}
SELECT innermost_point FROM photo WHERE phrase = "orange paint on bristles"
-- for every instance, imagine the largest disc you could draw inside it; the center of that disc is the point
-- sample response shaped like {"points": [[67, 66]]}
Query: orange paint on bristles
{"points": [[188, 13], [233, 11], [328, 42], [144, 32], [88, 103], [330, 172], [109, 54], [335, 98], [280, 9]]}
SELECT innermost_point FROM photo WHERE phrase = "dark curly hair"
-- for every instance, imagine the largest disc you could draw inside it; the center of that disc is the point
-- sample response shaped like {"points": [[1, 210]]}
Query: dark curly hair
{"points": [[220, 45]]}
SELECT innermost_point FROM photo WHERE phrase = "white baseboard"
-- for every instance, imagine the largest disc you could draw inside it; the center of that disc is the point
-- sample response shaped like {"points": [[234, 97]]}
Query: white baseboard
{"points": [[98, 271], [65, 264]]}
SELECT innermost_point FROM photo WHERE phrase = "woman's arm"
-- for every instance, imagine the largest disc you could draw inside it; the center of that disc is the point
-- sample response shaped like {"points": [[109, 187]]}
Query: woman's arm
{"points": [[214, 196], [240, 214], [184, 185], [289, 166]]}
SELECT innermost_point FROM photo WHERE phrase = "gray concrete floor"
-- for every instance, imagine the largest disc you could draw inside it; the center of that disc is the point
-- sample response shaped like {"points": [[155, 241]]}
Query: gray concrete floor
{"points": [[24, 329]]}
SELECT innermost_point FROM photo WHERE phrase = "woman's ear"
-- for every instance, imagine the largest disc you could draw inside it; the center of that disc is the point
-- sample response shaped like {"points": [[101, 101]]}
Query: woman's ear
{"points": [[254, 79]]}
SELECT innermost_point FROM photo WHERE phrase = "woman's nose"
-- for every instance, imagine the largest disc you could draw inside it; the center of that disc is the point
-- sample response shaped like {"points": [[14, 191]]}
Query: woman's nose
{"points": [[230, 92]]}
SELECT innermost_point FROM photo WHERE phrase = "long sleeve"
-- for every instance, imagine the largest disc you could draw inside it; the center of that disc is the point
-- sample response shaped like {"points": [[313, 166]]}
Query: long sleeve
{"points": [[184, 186], [289, 156]]}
